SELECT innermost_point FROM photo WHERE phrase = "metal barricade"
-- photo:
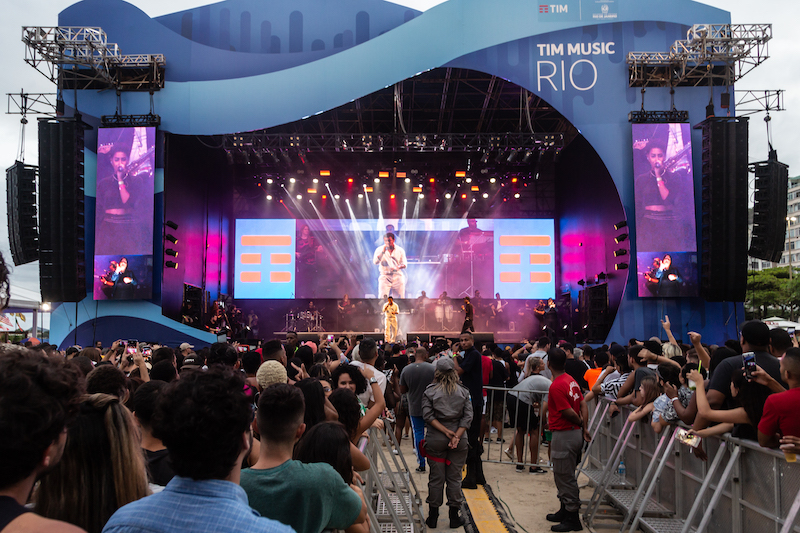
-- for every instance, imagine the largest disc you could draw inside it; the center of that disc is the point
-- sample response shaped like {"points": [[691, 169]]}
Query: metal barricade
{"points": [[741, 488], [498, 409]]}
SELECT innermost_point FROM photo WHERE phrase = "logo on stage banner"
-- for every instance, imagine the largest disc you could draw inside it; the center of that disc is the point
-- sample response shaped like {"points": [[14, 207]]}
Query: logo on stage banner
{"points": [[604, 10], [560, 11]]}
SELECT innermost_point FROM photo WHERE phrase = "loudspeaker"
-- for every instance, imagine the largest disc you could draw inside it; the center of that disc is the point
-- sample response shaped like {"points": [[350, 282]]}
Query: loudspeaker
{"points": [[23, 231], [769, 210], [483, 338], [62, 247], [421, 337], [723, 264]]}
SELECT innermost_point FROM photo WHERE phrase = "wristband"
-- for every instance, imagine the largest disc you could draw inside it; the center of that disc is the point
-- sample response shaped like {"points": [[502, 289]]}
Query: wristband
{"points": [[372, 380]]}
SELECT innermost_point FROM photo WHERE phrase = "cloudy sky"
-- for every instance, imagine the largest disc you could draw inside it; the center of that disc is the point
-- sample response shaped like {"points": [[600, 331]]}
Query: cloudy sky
{"points": [[781, 71]]}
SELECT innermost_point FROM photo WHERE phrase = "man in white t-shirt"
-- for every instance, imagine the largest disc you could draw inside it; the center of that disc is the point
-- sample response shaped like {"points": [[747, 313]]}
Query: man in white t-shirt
{"points": [[368, 350], [542, 345], [391, 261]]}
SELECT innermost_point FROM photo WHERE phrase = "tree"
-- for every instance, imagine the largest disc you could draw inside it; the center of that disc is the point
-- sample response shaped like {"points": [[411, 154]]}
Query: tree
{"points": [[770, 289]]}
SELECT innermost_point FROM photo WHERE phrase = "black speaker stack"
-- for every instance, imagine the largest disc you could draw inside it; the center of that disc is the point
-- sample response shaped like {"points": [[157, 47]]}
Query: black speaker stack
{"points": [[62, 247], [723, 266], [769, 209], [23, 231]]}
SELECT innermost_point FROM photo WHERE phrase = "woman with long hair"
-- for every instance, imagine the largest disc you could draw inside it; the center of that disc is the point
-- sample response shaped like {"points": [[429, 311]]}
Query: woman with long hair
{"points": [[447, 411], [649, 391], [102, 468]]}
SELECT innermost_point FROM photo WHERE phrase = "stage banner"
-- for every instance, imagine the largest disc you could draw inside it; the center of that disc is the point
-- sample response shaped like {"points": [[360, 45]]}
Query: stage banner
{"points": [[666, 241], [123, 248], [328, 258]]}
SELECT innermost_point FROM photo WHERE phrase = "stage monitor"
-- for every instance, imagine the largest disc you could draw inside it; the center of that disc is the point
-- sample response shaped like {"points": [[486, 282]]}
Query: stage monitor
{"points": [[123, 246], [666, 240], [287, 258]]}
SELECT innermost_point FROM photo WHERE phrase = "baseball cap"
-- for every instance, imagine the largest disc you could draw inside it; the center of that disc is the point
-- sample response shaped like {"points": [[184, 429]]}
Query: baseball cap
{"points": [[191, 363], [444, 364], [185, 346]]}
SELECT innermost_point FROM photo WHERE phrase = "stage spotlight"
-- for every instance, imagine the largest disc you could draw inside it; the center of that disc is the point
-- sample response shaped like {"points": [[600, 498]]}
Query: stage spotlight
{"points": [[468, 180], [432, 180], [315, 180], [229, 156], [349, 180], [501, 157], [269, 181], [274, 157], [620, 252], [171, 238], [528, 156], [463, 196], [474, 200], [336, 197], [619, 238], [171, 224], [408, 180], [620, 225], [269, 197], [285, 157], [292, 180], [485, 157], [377, 180], [447, 195], [299, 196], [621, 266], [582, 282], [492, 180], [170, 251], [391, 196], [421, 196], [486, 195], [347, 200], [259, 157], [512, 156], [171, 264], [361, 196], [516, 195], [602, 275], [514, 180]]}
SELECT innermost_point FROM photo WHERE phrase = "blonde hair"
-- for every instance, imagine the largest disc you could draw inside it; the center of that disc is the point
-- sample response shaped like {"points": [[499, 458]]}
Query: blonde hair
{"points": [[446, 380], [102, 468], [671, 350]]}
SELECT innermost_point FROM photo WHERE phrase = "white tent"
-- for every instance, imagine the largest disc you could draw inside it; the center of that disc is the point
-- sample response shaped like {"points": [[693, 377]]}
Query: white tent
{"points": [[778, 322]]}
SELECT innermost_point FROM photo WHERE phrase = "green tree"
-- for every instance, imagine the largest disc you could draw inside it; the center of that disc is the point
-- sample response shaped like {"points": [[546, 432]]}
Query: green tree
{"points": [[770, 289]]}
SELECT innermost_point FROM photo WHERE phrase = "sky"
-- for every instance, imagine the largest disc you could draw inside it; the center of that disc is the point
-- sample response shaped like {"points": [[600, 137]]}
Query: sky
{"points": [[780, 71]]}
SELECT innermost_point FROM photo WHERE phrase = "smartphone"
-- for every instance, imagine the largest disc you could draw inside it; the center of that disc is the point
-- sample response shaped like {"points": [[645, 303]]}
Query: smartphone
{"points": [[330, 338], [131, 349], [687, 438], [147, 352], [791, 332], [749, 360], [133, 341], [243, 348]]}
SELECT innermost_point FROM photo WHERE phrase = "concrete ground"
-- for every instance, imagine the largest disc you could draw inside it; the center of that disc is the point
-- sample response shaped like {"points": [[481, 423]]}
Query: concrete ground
{"points": [[527, 497]]}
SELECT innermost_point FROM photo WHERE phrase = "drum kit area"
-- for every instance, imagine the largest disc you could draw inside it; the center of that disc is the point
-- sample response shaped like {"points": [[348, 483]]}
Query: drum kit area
{"points": [[304, 321]]}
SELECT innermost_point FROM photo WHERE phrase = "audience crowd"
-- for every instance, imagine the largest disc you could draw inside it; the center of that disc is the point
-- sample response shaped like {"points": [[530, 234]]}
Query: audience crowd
{"points": [[141, 437]]}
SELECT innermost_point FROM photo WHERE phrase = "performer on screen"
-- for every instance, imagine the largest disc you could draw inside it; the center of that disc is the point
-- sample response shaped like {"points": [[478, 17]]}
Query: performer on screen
{"points": [[390, 311], [391, 261], [669, 279], [468, 315], [124, 282]]}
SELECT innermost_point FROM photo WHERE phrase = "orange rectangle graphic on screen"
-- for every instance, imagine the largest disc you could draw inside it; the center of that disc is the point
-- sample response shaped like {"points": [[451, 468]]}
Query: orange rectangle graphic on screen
{"points": [[251, 259], [510, 277], [540, 259], [510, 259], [280, 259], [250, 277], [524, 240], [280, 277], [541, 277], [266, 240]]}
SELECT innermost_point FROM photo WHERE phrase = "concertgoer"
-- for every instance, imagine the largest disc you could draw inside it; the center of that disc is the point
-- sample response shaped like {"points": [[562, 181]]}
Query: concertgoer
{"points": [[524, 402], [308, 497], [780, 418], [471, 372], [391, 261], [568, 415], [204, 420], [390, 311], [447, 410], [414, 379], [159, 465], [38, 399]]}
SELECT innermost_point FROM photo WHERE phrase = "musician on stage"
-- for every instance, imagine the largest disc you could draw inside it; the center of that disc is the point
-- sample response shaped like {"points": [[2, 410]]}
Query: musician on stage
{"points": [[469, 312], [345, 308], [499, 312], [391, 261], [390, 311]]}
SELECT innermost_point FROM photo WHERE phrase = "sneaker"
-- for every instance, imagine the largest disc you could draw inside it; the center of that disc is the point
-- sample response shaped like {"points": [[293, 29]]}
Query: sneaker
{"points": [[406, 436], [421, 469], [499, 440], [520, 469], [396, 451], [507, 451], [537, 470]]}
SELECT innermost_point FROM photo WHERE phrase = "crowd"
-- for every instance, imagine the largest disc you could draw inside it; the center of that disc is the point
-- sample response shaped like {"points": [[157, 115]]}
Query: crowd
{"points": [[142, 437]]}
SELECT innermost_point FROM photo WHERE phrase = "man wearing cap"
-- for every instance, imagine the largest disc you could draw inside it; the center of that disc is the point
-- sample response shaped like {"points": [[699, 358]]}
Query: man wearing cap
{"points": [[185, 349]]}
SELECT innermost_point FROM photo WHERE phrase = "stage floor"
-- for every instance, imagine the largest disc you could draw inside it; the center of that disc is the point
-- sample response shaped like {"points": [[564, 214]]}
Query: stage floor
{"points": [[504, 337]]}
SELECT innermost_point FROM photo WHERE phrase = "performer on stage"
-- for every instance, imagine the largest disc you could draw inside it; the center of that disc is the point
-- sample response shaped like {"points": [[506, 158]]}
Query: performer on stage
{"points": [[468, 315], [669, 279], [390, 311], [499, 313], [124, 282], [391, 261], [345, 309]]}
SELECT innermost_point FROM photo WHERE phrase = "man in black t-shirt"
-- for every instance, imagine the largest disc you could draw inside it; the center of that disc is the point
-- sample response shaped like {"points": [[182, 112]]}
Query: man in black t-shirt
{"points": [[469, 368], [574, 367]]}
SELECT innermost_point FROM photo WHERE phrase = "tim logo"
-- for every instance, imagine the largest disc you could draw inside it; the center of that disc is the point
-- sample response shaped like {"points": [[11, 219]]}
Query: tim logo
{"points": [[553, 8]]}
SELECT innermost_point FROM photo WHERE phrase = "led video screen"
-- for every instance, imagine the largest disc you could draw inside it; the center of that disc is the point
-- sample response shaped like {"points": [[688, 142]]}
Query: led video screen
{"points": [[123, 250], [286, 258], [665, 214]]}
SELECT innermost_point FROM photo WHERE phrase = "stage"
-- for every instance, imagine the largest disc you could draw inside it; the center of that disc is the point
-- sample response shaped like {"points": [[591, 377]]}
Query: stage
{"points": [[481, 337]]}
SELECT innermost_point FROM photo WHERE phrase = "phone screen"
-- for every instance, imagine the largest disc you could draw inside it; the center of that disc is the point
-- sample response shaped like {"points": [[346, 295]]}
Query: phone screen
{"points": [[791, 332], [330, 338], [749, 361], [131, 349], [687, 438]]}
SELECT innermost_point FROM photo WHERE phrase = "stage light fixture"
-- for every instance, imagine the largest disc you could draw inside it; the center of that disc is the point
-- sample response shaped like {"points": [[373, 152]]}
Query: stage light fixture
{"points": [[620, 252], [401, 175], [501, 157], [421, 196], [492, 180], [377, 180], [514, 180], [292, 180], [461, 174], [432, 180], [621, 266], [516, 195], [582, 282], [171, 224], [447, 195], [512, 156], [171, 238], [527, 157], [468, 180], [311, 191], [379, 200], [391, 196], [269, 197], [408, 180], [361, 196], [229, 156], [285, 157], [299, 196], [315, 180], [324, 172], [324, 196], [602, 275], [335, 196], [259, 156], [485, 157], [416, 189], [383, 174], [620, 225], [486, 195], [171, 264], [269, 181], [463, 196], [349, 180], [369, 189], [474, 200], [619, 238], [474, 188], [171, 252]]}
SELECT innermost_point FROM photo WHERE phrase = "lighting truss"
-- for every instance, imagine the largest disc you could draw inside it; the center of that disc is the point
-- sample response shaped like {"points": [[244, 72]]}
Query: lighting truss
{"points": [[84, 59], [750, 102], [658, 117], [24, 103], [133, 121], [718, 54]]}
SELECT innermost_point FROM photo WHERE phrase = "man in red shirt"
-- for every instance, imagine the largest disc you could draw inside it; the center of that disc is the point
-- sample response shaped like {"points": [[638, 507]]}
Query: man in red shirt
{"points": [[780, 418], [567, 414]]}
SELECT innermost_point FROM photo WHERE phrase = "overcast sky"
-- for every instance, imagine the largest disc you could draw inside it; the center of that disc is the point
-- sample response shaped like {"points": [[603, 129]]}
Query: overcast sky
{"points": [[781, 71]]}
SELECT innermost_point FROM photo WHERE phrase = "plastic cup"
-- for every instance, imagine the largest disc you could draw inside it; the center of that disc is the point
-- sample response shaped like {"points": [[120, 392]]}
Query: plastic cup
{"points": [[548, 435], [790, 457]]}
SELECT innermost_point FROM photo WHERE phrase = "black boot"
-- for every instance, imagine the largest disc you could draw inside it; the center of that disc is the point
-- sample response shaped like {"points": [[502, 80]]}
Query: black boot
{"points": [[456, 520], [571, 522], [433, 517], [557, 516]]}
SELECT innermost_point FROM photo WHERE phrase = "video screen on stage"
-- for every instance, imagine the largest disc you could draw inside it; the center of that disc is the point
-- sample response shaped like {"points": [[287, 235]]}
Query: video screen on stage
{"points": [[287, 258], [123, 246], [665, 214]]}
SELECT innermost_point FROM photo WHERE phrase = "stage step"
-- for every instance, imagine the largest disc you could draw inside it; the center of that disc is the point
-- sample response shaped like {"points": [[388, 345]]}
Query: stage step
{"points": [[662, 525], [381, 510], [624, 499], [615, 482]]}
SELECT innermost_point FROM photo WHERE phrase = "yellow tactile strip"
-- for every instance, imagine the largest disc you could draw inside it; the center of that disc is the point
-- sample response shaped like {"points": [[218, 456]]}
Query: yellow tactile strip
{"points": [[484, 514]]}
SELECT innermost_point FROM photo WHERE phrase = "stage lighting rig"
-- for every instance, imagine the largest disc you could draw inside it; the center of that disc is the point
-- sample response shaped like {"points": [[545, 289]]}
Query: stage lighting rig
{"points": [[172, 225], [171, 238], [620, 252], [170, 252], [622, 237], [621, 266], [619, 225], [171, 264]]}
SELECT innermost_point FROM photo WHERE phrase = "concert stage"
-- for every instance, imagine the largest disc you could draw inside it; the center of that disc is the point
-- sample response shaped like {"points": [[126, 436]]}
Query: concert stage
{"points": [[481, 337]]}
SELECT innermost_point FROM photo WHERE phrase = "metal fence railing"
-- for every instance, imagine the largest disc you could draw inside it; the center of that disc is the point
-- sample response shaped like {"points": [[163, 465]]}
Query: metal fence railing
{"points": [[499, 406]]}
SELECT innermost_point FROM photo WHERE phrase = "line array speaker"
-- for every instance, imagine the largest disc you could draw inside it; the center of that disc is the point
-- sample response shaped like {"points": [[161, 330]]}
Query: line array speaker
{"points": [[23, 231], [62, 247], [769, 209]]}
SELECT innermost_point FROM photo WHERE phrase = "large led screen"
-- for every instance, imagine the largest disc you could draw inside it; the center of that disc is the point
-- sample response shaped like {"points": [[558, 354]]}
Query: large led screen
{"points": [[123, 248], [286, 258], [666, 239]]}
